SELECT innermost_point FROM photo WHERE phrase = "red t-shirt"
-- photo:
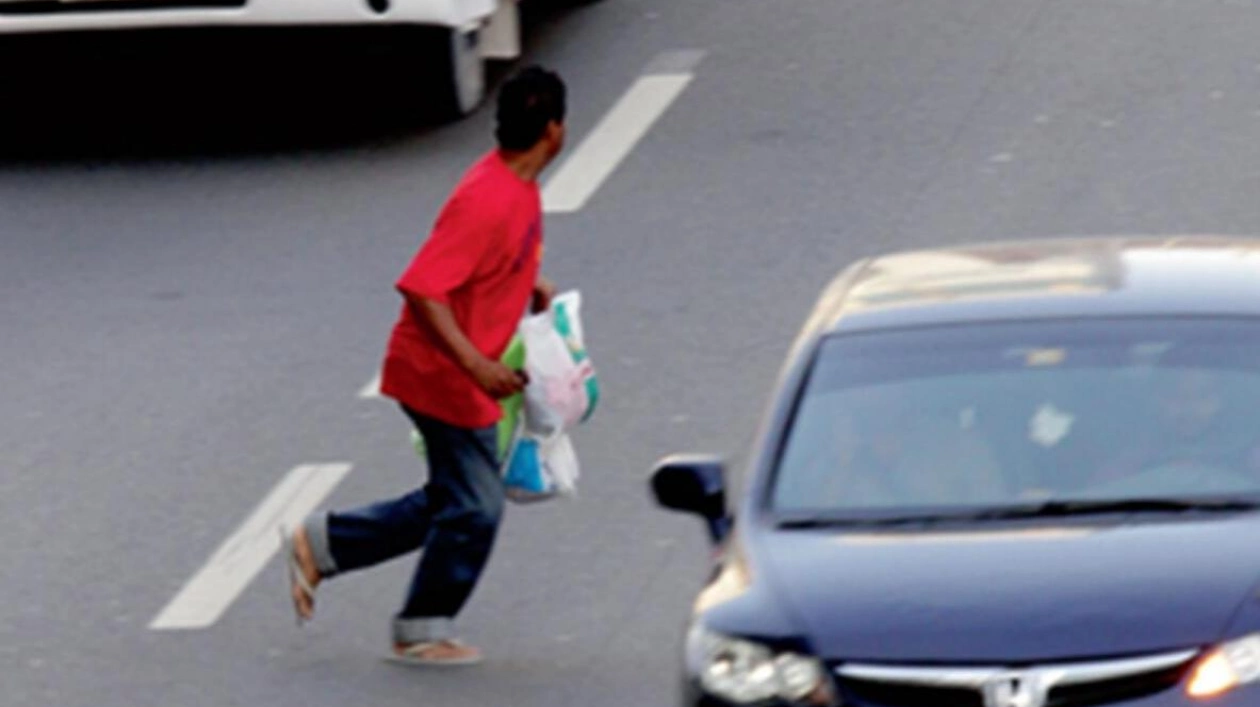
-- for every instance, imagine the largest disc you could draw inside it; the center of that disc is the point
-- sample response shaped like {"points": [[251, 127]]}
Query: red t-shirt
{"points": [[482, 260]]}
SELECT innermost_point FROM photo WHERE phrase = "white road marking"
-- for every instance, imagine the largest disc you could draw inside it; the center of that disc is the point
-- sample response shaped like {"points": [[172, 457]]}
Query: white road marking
{"points": [[243, 555], [599, 154], [372, 389]]}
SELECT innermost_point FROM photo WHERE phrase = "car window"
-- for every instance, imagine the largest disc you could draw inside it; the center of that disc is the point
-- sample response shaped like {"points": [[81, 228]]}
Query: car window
{"points": [[1014, 413]]}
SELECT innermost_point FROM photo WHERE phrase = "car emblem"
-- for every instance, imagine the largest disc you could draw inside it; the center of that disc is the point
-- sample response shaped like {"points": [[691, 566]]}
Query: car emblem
{"points": [[1016, 689]]}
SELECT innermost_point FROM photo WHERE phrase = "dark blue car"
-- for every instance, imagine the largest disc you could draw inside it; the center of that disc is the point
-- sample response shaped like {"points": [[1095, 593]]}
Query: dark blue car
{"points": [[1009, 475]]}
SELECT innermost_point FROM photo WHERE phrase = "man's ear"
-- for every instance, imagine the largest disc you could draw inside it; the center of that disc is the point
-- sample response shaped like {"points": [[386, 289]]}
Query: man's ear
{"points": [[555, 131]]}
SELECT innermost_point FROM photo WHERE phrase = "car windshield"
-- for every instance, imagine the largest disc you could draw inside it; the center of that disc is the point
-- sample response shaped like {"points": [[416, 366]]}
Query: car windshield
{"points": [[1005, 415]]}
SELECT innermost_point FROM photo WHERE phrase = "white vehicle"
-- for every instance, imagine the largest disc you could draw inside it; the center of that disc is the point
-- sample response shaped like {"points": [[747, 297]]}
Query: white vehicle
{"points": [[460, 34]]}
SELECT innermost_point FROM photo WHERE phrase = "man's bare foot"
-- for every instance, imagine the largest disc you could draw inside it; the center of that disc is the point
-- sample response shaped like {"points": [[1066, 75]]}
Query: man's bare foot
{"points": [[437, 653], [304, 562]]}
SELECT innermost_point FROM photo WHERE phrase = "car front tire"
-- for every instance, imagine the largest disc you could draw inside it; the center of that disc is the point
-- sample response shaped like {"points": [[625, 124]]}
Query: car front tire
{"points": [[451, 61]]}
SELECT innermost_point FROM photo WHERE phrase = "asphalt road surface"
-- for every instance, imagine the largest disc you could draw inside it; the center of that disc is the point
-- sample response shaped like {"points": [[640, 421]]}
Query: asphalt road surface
{"points": [[195, 286]]}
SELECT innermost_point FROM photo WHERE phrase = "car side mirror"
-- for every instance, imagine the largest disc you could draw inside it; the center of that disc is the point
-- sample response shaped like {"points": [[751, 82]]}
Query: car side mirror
{"points": [[694, 484]]}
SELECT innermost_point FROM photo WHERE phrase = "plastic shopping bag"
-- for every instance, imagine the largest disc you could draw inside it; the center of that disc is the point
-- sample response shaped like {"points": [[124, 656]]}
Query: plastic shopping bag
{"points": [[538, 470], [563, 389], [538, 459], [561, 462]]}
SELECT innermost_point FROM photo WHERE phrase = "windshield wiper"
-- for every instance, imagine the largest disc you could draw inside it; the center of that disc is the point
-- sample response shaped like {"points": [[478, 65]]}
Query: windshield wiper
{"points": [[1058, 509], [1048, 509], [851, 522]]}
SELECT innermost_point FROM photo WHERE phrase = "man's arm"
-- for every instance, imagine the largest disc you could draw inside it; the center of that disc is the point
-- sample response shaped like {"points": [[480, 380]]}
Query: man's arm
{"points": [[495, 378], [447, 260]]}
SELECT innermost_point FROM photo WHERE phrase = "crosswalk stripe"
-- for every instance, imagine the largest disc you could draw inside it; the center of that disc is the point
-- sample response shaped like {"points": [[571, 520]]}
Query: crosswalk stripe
{"points": [[240, 558], [372, 389], [616, 135]]}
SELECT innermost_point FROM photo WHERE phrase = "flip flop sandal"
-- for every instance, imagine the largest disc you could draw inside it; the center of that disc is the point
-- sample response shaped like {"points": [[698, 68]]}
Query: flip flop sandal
{"points": [[414, 655], [296, 575]]}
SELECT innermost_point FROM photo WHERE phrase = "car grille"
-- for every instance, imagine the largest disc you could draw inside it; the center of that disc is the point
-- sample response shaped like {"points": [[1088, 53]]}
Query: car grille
{"points": [[899, 695], [1107, 692], [1092, 684]]}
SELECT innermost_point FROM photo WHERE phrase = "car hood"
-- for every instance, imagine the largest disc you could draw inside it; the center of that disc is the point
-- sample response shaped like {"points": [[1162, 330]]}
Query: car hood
{"points": [[1010, 595]]}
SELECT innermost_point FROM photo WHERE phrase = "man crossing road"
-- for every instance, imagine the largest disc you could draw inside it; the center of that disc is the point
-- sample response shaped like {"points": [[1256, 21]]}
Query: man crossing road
{"points": [[463, 295]]}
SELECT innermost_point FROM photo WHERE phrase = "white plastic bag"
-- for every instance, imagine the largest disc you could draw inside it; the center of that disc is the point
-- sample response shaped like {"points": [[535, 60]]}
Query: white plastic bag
{"points": [[561, 463], [539, 470], [562, 393], [563, 388]]}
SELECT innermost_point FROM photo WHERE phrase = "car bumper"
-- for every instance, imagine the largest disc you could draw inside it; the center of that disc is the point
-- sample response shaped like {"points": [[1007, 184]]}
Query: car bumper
{"points": [[37, 16], [193, 51], [693, 696]]}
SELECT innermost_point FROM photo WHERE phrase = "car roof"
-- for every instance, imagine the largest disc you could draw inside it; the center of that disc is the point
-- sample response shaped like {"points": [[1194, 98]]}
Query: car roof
{"points": [[1053, 278]]}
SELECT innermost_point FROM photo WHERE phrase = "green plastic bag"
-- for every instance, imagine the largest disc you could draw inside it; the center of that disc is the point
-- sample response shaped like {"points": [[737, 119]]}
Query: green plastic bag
{"points": [[513, 358]]}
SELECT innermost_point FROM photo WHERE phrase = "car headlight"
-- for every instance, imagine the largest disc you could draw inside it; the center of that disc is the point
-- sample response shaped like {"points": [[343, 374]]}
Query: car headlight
{"points": [[1232, 665], [744, 672]]}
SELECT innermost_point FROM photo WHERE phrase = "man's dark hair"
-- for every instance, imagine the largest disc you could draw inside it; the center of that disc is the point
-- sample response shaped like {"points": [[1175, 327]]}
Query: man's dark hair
{"points": [[528, 102]]}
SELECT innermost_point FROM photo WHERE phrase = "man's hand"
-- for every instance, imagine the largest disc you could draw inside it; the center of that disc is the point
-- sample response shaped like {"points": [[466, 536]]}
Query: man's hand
{"points": [[497, 379], [544, 292]]}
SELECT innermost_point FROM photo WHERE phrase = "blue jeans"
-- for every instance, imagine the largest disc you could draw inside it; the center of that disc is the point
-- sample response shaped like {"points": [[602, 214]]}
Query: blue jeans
{"points": [[454, 517]]}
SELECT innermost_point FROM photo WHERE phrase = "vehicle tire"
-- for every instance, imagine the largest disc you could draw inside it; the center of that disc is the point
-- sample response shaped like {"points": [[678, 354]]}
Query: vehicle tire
{"points": [[456, 72], [563, 4]]}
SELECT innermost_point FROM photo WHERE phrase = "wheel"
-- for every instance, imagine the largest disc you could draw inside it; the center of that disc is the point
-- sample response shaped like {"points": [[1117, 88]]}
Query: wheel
{"points": [[457, 70], [562, 4]]}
